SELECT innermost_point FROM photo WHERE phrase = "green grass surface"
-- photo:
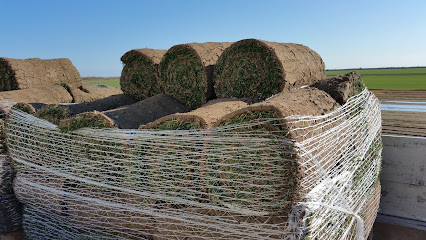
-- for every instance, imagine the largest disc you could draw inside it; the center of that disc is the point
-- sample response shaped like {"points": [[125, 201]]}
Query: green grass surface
{"points": [[390, 78], [390, 71], [395, 81], [112, 83]]}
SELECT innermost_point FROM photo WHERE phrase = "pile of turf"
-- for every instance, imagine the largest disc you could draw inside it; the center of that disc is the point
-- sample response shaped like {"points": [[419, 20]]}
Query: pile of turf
{"points": [[139, 77], [186, 71], [34, 72], [342, 87], [259, 69]]}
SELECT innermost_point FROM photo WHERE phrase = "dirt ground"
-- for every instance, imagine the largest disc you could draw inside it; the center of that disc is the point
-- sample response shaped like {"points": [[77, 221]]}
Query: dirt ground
{"points": [[400, 122]]}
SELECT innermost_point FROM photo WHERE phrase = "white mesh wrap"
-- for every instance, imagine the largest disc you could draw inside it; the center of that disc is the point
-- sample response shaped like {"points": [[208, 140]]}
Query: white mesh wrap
{"points": [[241, 181]]}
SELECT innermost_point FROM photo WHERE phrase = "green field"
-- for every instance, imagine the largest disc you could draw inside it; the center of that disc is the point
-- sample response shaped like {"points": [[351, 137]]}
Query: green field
{"points": [[381, 71], [112, 83], [383, 78], [389, 78]]}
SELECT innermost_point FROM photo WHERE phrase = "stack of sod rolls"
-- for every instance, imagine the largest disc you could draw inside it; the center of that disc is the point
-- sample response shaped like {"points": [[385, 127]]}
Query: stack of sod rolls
{"points": [[259, 69], [28, 73], [139, 77], [186, 71]]}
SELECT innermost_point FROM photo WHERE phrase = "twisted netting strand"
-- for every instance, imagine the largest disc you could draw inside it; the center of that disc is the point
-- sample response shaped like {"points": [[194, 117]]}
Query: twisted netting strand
{"points": [[293, 178]]}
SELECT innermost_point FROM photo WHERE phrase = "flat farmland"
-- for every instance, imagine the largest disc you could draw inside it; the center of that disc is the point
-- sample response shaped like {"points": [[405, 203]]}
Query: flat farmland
{"points": [[389, 78]]}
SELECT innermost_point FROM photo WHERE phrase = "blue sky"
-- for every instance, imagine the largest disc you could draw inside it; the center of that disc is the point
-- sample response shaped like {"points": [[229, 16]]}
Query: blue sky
{"points": [[95, 34]]}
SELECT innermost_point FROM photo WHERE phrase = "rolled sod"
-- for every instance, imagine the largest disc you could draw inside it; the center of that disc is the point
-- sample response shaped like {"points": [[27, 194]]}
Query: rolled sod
{"points": [[139, 77], [34, 72], [259, 69], [30, 108], [186, 71], [86, 120], [342, 87], [49, 94], [57, 112], [128, 116], [231, 179]]}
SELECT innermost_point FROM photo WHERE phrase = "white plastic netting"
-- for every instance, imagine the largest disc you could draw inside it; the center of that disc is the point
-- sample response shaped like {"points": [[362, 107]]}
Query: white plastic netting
{"points": [[301, 177]]}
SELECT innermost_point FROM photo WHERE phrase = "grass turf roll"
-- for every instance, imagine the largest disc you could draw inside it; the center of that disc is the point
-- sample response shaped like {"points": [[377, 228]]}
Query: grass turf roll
{"points": [[27, 73], [126, 117], [279, 168], [86, 120], [342, 87], [186, 71], [139, 77], [259, 69], [54, 113]]}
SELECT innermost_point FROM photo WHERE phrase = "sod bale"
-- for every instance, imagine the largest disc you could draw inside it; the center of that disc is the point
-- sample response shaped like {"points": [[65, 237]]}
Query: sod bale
{"points": [[54, 113], [49, 94], [88, 94], [342, 87], [140, 77], [259, 69], [34, 72], [186, 71], [145, 111], [231, 178]]}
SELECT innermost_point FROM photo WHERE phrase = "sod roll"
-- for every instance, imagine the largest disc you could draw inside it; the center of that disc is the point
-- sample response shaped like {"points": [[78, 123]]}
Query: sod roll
{"points": [[259, 69], [342, 87], [186, 71], [34, 72], [139, 77], [127, 117], [30, 108], [278, 192], [49, 94], [54, 113], [145, 111]]}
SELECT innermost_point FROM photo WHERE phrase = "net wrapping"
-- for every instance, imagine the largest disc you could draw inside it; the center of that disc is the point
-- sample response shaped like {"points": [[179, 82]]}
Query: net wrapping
{"points": [[301, 177]]}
